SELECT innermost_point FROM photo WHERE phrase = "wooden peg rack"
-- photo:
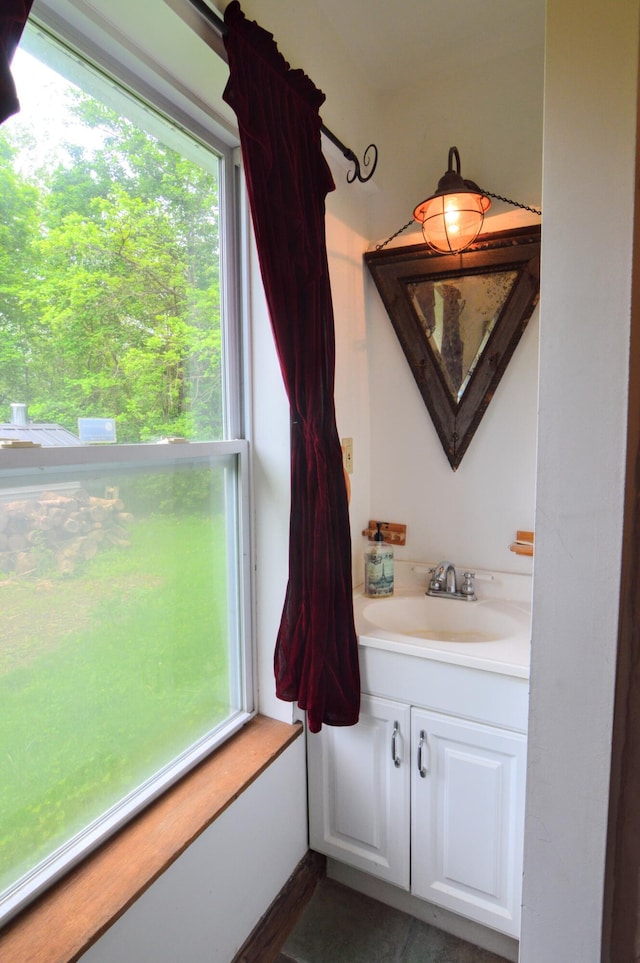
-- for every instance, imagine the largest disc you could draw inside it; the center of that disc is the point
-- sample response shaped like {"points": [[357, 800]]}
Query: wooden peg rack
{"points": [[523, 544], [392, 533]]}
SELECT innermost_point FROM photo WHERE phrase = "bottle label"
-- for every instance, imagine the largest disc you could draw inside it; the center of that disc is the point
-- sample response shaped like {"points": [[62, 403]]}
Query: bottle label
{"points": [[378, 574]]}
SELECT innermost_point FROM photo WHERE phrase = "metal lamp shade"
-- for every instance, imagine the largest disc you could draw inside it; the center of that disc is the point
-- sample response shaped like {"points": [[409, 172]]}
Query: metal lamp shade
{"points": [[452, 218]]}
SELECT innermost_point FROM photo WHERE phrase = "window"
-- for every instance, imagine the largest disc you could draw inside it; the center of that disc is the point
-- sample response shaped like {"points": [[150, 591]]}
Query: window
{"points": [[125, 650]]}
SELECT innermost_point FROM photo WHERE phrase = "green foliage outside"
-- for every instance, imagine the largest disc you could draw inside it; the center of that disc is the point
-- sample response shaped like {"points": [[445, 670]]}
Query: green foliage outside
{"points": [[110, 307], [191, 489], [109, 280], [107, 676]]}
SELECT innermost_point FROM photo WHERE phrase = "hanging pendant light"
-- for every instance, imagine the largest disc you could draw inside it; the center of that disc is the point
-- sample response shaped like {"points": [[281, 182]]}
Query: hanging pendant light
{"points": [[452, 217]]}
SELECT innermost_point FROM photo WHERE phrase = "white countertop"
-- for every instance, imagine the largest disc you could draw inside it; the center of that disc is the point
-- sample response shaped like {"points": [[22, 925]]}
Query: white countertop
{"points": [[507, 595]]}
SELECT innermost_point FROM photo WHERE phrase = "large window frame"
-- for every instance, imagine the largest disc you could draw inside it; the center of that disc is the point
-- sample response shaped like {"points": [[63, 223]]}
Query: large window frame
{"points": [[110, 53]]}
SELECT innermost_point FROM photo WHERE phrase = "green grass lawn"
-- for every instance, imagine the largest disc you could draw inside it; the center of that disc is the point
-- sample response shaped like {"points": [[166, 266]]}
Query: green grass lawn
{"points": [[104, 677]]}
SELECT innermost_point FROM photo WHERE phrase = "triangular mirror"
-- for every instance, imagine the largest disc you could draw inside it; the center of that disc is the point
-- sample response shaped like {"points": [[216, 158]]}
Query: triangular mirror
{"points": [[459, 318]]}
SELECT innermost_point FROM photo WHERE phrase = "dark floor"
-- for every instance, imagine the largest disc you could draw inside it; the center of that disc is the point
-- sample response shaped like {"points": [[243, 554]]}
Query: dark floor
{"points": [[342, 926]]}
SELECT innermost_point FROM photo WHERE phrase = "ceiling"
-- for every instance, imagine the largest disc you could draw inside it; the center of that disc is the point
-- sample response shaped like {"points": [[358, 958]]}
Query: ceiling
{"points": [[395, 44]]}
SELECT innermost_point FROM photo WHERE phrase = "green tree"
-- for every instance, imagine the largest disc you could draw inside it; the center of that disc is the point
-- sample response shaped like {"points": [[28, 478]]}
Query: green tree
{"points": [[121, 284], [19, 222]]}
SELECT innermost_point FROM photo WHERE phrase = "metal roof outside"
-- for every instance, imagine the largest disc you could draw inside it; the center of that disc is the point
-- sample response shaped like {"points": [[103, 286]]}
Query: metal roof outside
{"points": [[47, 436]]}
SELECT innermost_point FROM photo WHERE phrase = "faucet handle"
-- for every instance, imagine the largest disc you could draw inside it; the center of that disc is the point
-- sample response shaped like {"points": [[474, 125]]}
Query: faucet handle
{"points": [[433, 573], [467, 586], [434, 583]]}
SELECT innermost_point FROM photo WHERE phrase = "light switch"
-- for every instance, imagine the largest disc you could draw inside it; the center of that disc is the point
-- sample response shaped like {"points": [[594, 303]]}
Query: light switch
{"points": [[347, 455]]}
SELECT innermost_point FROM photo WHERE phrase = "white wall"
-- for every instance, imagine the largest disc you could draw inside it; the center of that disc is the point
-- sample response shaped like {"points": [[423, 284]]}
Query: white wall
{"points": [[493, 113], [491, 110], [271, 484], [347, 226], [590, 141], [203, 907]]}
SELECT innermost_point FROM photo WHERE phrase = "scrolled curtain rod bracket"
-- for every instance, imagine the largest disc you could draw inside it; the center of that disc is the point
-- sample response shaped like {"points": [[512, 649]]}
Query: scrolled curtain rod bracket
{"points": [[366, 162], [211, 28], [369, 158]]}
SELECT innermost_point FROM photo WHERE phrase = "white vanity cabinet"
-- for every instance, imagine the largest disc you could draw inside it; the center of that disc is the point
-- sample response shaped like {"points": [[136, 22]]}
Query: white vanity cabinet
{"points": [[467, 818], [427, 791], [359, 791]]}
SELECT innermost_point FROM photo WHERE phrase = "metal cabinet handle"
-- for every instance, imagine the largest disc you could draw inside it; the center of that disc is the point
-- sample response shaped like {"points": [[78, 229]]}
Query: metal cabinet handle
{"points": [[422, 769], [394, 749]]}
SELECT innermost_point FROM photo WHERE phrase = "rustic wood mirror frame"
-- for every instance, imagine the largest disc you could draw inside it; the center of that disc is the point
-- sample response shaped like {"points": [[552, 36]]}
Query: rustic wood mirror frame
{"points": [[397, 271]]}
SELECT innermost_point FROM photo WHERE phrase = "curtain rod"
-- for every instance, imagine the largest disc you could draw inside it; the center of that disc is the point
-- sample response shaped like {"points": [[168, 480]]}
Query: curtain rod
{"points": [[211, 28]]}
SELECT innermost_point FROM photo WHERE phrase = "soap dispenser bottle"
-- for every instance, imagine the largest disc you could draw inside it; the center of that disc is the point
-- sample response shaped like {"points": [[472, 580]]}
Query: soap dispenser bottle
{"points": [[378, 567]]}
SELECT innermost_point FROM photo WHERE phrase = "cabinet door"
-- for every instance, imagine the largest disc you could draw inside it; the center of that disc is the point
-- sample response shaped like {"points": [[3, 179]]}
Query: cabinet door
{"points": [[467, 815], [359, 791]]}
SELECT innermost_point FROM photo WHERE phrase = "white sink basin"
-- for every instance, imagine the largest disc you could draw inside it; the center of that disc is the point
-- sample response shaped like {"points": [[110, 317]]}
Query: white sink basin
{"points": [[446, 620], [492, 634]]}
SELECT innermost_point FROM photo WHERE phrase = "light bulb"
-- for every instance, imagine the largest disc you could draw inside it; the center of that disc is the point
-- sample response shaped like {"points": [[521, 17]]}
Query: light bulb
{"points": [[452, 217]]}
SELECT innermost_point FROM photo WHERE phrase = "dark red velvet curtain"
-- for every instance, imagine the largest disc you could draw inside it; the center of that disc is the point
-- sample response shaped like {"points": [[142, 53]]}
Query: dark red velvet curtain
{"points": [[316, 655], [13, 16]]}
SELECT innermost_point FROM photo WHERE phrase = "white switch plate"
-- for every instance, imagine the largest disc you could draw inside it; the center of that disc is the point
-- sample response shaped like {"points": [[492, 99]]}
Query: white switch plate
{"points": [[347, 455]]}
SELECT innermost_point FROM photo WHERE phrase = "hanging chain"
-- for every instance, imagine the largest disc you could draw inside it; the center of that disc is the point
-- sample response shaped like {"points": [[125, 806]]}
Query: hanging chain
{"points": [[525, 207], [399, 231]]}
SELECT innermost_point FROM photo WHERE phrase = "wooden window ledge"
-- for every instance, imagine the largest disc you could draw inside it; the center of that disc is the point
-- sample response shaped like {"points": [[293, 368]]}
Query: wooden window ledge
{"points": [[61, 924]]}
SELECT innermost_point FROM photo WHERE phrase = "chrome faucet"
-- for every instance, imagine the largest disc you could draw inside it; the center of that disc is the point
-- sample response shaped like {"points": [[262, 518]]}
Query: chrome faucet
{"points": [[444, 578], [444, 583]]}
